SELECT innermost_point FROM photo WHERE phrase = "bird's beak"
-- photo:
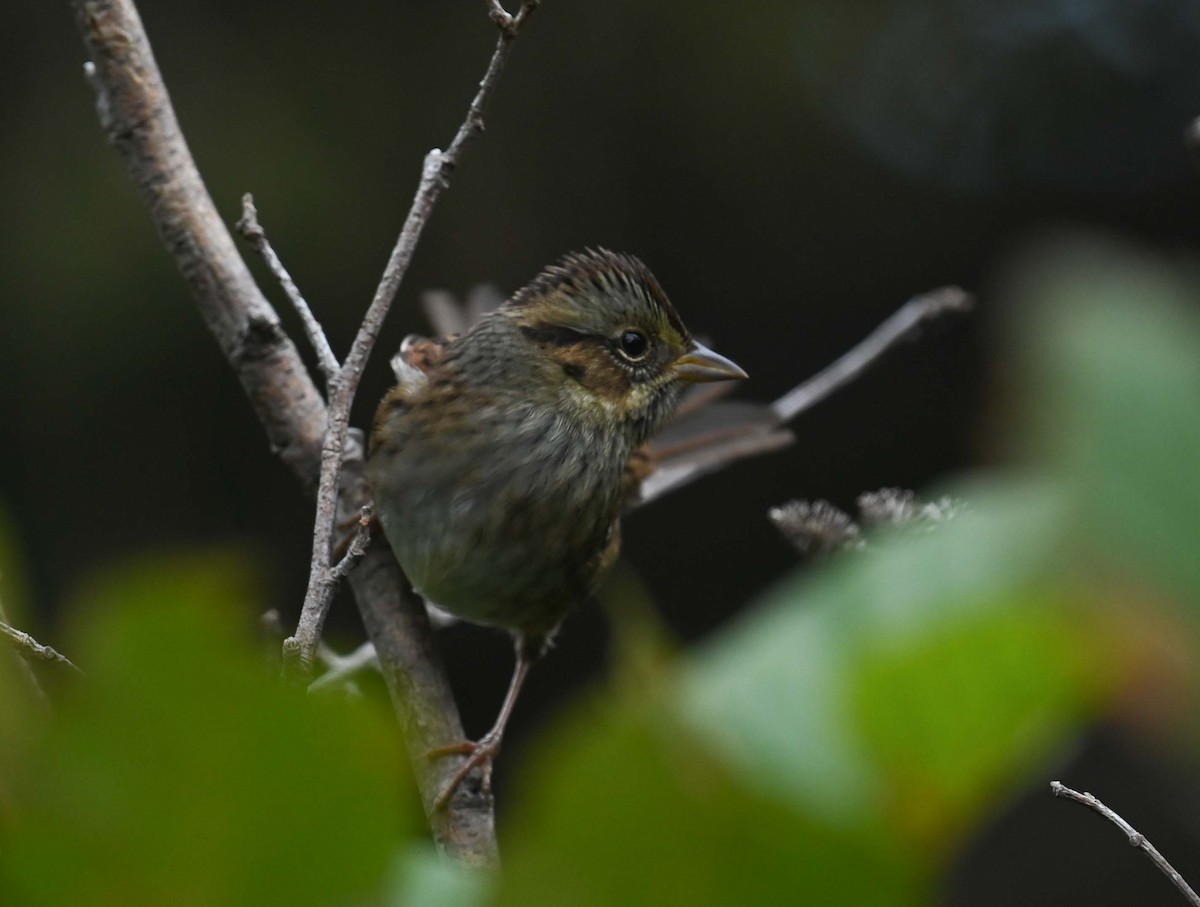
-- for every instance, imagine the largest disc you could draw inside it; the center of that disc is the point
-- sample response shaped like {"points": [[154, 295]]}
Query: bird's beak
{"points": [[702, 364]]}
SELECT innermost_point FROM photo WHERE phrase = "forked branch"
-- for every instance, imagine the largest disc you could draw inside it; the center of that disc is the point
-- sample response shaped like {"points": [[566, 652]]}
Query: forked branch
{"points": [[136, 115], [299, 650]]}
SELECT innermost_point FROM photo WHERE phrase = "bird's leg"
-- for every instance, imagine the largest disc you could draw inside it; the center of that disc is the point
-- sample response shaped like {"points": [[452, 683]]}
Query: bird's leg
{"points": [[488, 746]]}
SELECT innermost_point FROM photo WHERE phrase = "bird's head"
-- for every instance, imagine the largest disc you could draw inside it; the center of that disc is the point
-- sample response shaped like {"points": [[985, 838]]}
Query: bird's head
{"points": [[601, 323]]}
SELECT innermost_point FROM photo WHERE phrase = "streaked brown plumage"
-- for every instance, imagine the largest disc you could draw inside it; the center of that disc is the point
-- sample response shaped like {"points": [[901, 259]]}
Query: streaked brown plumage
{"points": [[501, 462]]}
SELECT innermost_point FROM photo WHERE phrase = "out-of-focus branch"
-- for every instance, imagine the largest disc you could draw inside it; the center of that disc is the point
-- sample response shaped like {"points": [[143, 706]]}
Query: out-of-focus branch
{"points": [[137, 118], [435, 176], [342, 669], [1136, 838], [901, 326], [767, 436], [818, 527]]}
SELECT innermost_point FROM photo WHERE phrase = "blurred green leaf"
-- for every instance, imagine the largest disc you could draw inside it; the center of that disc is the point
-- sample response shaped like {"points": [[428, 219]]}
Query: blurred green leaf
{"points": [[425, 878], [630, 808], [921, 670], [955, 719], [1113, 345], [22, 722], [837, 741], [181, 773]]}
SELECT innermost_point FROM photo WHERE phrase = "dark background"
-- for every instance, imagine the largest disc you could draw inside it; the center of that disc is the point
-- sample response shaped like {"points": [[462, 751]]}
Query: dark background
{"points": [[792, 172]]}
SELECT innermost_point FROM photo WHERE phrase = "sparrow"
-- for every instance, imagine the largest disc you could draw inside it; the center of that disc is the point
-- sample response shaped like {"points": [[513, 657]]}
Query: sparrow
{"points": [[501, 462]]}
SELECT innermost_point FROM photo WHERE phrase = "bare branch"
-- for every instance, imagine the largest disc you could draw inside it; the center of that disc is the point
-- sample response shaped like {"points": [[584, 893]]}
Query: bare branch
{"points": [[510, 24], [136, 115], [139, 122], [32, 650], [899, 327], [358, 545], [399, 626], [23, 664], [435, 177], [252, 230], [1136, 838], [342, 668]]}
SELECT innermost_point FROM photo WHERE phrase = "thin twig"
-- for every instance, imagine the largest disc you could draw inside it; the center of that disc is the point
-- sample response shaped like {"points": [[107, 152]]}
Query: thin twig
{"points": [[358, 545], [338, 668], [342, 668], [252, 230], [508, 23], [27, 670], [137, 118], [435, 176], [899, 327], [1136, 838], [32, 650]]}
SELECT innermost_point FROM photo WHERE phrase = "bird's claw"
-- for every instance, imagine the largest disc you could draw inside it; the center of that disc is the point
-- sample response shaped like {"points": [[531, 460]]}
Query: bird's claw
{"points": [[478, 753]]}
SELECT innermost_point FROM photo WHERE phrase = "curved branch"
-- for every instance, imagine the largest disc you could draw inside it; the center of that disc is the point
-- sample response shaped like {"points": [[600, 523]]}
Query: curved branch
{"points": [[900, 326], [139, 122], [136, 115], [1135, 837]]}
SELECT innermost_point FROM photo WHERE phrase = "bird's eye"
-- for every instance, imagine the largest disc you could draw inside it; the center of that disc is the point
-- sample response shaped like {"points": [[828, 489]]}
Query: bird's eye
{"points": [[634, 345]]}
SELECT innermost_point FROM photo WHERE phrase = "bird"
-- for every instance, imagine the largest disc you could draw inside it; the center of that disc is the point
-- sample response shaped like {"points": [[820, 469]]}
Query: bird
{"points": [[501, 462]]}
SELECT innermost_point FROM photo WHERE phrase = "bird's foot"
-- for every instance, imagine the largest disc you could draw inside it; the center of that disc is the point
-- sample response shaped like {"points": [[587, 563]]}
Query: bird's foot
{"points": [[479, 753]]}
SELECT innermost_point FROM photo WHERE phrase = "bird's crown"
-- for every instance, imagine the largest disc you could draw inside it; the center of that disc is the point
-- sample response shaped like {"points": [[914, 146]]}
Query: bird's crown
{"points": [[597, 291]]}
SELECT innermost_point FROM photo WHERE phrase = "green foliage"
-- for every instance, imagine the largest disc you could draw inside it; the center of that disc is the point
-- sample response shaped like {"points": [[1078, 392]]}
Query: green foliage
{"points": [[179, 772], [423, 877], [629, 808], [1114, 352]]}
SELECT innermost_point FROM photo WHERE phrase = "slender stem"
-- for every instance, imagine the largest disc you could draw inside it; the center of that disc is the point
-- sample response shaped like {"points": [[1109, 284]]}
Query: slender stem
{"points": [[32, 650], [27, 650], [252, 230], [435, 177], [902, 325], [358, 545], [851, 365], [1136, 838], [341, 668]]}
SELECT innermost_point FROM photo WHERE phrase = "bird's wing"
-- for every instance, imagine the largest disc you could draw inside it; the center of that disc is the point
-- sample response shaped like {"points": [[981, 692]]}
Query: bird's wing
{"points": [[417, 357], [705, 434]]}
